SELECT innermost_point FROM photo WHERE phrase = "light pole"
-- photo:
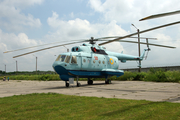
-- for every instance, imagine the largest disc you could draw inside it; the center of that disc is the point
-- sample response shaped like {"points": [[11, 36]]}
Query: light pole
{"points": [[36, 63], [5, 68], [16, 67], [138, 47]]}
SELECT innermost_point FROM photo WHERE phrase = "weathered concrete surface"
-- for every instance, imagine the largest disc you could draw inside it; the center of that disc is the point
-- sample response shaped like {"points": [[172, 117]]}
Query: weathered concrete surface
{"points": [[136, 90]]}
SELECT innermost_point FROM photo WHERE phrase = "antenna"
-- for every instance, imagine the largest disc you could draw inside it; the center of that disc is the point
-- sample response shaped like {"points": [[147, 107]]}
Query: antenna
{"points": [[147, 49], [66, 48]]}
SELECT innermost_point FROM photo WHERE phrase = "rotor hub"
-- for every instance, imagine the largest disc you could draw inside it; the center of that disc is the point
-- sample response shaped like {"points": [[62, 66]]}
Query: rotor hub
{"points": [[91, 41]]}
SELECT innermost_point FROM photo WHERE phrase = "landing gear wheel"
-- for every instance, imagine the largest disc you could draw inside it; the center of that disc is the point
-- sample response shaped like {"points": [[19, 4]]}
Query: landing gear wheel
{"points": [[78, 84], [108, 82], [90, 82], [67, 84]]}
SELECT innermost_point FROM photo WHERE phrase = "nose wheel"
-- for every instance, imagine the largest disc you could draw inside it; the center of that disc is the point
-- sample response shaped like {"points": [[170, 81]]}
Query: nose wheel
{"points": [[78, 84]]}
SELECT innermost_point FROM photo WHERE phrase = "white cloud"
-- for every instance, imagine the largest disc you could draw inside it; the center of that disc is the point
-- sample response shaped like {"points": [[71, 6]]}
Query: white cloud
{"points": [[82, 29], [10, 41], [13, 41], [130, 11], [11, 17]]}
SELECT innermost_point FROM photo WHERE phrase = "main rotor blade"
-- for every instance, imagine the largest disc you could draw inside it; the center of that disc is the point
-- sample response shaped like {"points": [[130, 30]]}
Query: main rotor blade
{"points": [[28, 47], [38, 46], [47, 48], [146, 44], [119, 38], [160, 15], [128, 37]]}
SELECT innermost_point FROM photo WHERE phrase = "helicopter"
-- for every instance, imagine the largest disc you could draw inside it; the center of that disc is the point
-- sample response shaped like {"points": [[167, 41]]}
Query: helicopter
{"points": [[91, 60]]}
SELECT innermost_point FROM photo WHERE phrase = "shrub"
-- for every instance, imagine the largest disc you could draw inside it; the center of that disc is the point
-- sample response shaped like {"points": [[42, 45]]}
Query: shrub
{"points": [[127, 76], [156, 75], [140, 76]]}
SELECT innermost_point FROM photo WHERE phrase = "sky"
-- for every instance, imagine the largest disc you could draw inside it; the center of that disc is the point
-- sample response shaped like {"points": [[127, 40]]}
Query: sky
{"points": [[25, 23]]}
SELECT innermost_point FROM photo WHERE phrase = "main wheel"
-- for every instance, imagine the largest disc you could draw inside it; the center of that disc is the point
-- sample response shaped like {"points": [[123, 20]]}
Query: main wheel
{"points": [[90, 82], [67, 84], [108, 82], [78, 84]]}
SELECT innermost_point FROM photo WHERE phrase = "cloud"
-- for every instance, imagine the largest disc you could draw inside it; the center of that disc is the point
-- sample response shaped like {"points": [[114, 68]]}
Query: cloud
{"points": [[10, 41], [130, 11], [82, 29], [11, 17]]}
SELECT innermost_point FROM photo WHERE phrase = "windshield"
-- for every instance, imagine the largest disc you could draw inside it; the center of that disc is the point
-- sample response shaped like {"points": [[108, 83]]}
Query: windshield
{"points": [[62, 58], [58, 58], [74, 60], [67, 59]]}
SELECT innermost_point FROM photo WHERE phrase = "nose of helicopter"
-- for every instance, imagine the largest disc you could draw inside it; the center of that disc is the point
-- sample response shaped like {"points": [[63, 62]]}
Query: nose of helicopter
{"points": [[58, 67]]}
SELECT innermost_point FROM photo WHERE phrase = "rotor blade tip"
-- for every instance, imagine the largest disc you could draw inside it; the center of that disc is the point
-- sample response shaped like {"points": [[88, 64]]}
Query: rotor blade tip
{"points": [[145, 18]]}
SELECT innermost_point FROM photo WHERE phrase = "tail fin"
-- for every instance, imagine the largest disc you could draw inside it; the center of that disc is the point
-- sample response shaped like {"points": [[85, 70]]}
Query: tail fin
{"points": [[142, 55]]}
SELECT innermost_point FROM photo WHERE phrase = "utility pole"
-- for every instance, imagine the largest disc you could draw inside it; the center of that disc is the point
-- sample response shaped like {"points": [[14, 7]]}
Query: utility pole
{"points": [[138, 48], [36, 65], [16, 67], [5, 68]]}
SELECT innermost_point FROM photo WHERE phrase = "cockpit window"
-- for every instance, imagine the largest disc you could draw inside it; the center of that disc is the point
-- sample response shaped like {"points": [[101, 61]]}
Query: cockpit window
{"points": [[62, 58], [58, 58], [67, 59], [74, 59]]}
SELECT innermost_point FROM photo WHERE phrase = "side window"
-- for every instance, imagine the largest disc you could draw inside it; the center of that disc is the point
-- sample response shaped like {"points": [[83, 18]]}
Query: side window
{"points": [[62, 58], [67, 59], [74, 60], [57, 59]]}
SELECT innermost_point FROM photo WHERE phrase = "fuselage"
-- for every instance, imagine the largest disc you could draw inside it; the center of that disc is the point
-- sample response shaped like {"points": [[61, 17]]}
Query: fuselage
{"points": [[89, 61]]}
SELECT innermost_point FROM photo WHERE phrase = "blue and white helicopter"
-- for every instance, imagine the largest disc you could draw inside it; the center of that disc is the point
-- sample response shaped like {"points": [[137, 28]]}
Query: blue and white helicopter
{"points": [[91, 60]]}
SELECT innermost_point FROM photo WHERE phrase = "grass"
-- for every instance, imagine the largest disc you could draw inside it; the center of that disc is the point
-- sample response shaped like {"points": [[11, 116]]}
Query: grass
{"points": [[155, 75], [44, 77], [57, 106]]}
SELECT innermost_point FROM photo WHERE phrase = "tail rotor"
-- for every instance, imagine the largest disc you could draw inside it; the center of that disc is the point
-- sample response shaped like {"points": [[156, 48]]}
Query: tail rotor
{"points": [[147, 49]]}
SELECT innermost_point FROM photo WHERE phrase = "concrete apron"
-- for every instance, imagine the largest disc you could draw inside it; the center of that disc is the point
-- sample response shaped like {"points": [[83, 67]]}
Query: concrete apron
{"points": [[136, 90]]}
